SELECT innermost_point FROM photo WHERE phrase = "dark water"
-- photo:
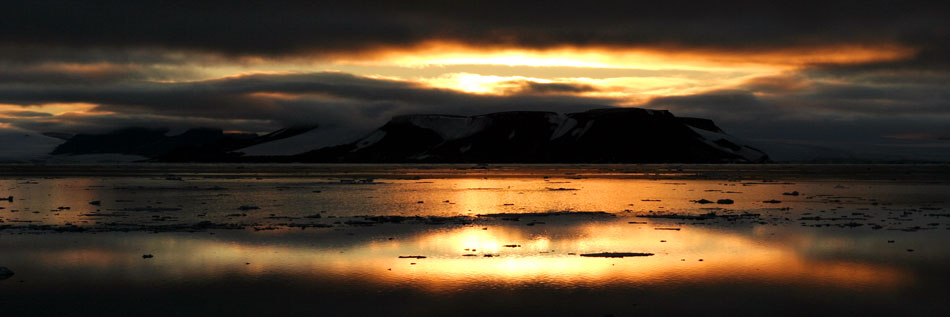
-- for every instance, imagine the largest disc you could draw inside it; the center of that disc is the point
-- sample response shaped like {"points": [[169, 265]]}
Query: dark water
{"points": [[325, 239]]}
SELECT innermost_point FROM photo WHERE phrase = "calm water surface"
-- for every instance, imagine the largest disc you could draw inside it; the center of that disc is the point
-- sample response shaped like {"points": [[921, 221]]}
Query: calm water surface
{"points": [[252, 240]]}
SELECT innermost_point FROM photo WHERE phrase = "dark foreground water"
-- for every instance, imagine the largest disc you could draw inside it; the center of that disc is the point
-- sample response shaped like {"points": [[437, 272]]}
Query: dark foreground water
{"points": [[327, 239]]}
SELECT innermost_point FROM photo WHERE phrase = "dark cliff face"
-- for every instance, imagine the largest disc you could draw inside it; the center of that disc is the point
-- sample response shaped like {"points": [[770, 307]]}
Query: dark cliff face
{"points": [[618, 135], [135, 141]]}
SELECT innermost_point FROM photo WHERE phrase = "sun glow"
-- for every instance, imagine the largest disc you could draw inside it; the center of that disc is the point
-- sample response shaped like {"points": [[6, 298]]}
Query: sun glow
{"points": [[480, 84], [438, 53], [629, 73], [671, 71]]}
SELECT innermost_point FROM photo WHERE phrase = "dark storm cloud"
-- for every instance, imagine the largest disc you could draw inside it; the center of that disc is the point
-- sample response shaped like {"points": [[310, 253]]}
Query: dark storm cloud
{"points": [[805, 127], [288, 27], [820, 99], [777, 84], [866, 94], [84, 75], [24, 113], [97, 123], [287, 99], [546, 88], [19, 54], [720, 105], [841, 115], [881, 100]]}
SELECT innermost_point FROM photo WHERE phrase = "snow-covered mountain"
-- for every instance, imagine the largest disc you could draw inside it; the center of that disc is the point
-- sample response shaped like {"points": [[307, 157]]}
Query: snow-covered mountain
{"points": [[313, 139], [615, 135], [24, 146], [194, 145]]}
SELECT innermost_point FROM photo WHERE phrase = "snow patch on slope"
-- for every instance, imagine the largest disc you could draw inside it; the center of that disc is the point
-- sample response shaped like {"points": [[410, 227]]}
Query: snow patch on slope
{"points": [[371, 139], [451, 127], [562, 124], [18, 145], [577, 133], [743, 151], [313, 139]]}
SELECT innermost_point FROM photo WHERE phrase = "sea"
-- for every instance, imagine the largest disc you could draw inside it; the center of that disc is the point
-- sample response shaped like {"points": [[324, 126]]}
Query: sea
{"points": [[474, 239]]}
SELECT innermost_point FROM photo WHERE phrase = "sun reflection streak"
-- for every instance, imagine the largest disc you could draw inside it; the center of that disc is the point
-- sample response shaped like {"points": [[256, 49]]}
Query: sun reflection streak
{"points": [[549, 255]]}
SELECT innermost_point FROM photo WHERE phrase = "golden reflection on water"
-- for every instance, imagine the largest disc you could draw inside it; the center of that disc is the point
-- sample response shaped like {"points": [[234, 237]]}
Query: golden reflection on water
{"points": [[725, 256], [548, 255], [37, 203]]}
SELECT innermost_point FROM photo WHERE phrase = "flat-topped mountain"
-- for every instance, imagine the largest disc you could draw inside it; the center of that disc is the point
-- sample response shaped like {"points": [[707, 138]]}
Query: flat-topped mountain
{"points": [[615, 135]]}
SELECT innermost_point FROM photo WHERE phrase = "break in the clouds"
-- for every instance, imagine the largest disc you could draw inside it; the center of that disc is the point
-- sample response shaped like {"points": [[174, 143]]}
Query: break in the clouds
{"points": [[869, 76], [328, 99]]}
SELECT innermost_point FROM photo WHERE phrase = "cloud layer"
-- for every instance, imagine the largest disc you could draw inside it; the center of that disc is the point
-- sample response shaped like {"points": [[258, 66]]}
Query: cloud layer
{"points": [[263, 102], [871, 76], [262, 27]]}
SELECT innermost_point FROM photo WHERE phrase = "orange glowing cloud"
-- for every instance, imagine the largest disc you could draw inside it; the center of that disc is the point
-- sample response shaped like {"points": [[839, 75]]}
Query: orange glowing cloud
{"points": [[447, 53], [677, 71], [663, 71], [52, 108]]}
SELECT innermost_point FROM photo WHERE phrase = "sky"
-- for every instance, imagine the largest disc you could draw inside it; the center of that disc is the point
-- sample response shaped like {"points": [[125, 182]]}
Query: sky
{"points": [[869, 77]]}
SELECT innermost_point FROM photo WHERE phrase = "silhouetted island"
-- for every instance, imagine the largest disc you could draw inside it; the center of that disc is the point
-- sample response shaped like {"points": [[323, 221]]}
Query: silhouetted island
{"points": [[615, 135]]}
